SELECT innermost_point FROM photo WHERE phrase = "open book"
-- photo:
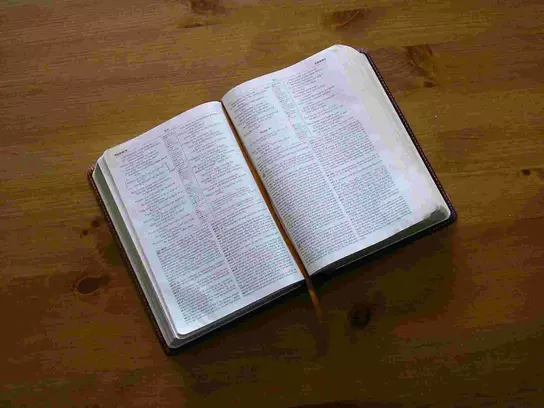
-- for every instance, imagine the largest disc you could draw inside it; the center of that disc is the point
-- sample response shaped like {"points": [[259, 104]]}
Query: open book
{"points": [[318, 169]]}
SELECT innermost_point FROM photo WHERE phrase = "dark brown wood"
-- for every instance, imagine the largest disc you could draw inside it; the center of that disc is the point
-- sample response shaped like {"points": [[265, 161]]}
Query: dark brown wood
{"points": [[453, 319]]}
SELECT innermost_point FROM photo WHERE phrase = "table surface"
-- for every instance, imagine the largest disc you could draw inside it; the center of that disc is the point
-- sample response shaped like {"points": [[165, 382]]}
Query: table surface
{"points": [[456, 318]]}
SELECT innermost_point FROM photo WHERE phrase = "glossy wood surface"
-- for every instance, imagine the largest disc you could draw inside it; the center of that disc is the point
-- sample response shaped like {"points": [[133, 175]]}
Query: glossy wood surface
{"points": [[454, 319]]}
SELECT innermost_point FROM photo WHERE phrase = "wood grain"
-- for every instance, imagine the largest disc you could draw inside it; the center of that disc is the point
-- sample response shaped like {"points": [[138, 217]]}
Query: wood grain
{"points": [[454, 319]]}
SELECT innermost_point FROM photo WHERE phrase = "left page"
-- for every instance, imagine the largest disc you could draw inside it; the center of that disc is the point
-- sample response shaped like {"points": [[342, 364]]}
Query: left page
{"points": [[206, 232]]}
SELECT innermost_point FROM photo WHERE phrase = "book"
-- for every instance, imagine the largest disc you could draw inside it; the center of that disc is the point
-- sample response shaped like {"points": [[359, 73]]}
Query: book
{"points": [[230, 204]]}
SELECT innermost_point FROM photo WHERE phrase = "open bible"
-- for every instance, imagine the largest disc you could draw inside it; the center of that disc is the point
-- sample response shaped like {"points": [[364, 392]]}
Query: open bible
{"points": [[218, 209]]}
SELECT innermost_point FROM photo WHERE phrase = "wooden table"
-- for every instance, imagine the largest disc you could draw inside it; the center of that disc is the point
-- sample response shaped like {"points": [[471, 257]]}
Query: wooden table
{"points": [[456, 318]]}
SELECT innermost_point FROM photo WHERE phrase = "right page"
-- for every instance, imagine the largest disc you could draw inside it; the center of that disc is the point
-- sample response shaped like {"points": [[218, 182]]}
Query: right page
{"points": [[339, 166]]}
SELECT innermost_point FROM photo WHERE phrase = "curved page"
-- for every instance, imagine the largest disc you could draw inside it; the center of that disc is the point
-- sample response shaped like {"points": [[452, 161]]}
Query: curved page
{"points": [[204, 227]]}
